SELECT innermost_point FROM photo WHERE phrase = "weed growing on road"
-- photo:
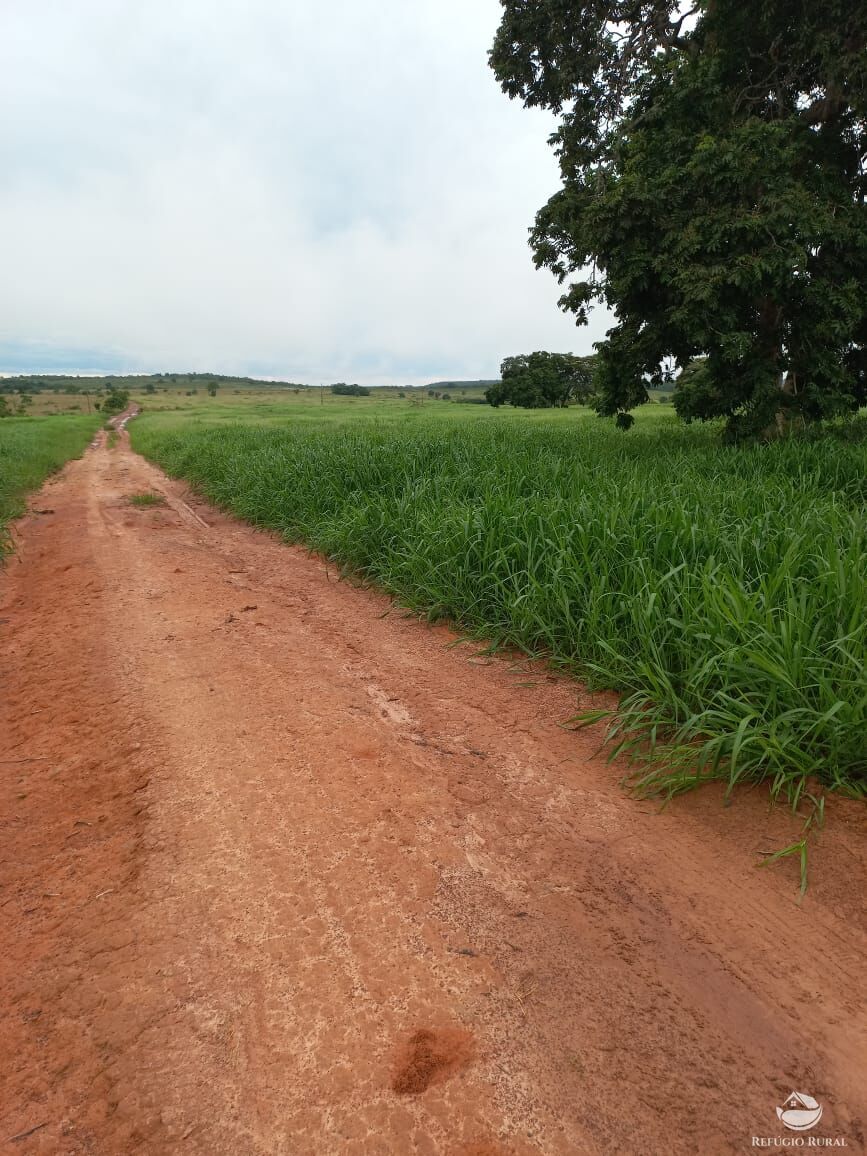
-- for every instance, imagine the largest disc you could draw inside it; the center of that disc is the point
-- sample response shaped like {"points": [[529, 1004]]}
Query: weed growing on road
{"points": [[146, 499]]}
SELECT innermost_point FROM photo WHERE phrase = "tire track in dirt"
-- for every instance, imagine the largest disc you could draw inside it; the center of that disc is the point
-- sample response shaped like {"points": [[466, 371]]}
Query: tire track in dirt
{"points": [[294, 877]]}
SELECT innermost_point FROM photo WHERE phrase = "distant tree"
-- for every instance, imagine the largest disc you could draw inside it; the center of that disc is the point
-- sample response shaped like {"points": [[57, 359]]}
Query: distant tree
{"points": [[343, 390], [212, 389], [446, 397], [5, 409], [694, 392], [714, 194], [541, 380], [430, 393], [116, 400], [150, 387]]}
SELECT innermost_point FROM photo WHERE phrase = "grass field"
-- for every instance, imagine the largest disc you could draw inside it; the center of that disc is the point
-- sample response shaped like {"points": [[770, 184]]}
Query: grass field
{"points": [[267, 401], [30, 450], [50, 402], [720, 590]]}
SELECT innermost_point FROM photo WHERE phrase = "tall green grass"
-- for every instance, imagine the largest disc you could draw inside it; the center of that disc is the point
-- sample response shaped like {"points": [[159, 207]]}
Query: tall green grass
{"points": [[721, 590], [31, 448]]}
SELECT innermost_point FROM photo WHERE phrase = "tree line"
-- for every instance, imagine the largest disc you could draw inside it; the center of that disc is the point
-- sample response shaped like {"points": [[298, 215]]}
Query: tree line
{"points": [[146, 382]]}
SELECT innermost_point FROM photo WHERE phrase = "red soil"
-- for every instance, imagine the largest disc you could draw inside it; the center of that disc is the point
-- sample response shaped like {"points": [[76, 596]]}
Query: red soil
{"points": [[282, 872]]}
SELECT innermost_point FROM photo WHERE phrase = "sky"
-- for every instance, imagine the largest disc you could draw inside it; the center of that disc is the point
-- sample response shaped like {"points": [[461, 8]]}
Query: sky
{"points": [[317, 191]]}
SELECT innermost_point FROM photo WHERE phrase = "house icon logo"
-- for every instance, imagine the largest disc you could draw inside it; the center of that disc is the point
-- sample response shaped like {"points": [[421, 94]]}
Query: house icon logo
{"points": [[800, 1112]]}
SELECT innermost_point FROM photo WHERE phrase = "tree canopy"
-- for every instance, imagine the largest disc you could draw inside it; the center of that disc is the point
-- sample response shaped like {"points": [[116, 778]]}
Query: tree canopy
{"points": [[116, 400], [344, 390], [542, 380], [713, 194]]}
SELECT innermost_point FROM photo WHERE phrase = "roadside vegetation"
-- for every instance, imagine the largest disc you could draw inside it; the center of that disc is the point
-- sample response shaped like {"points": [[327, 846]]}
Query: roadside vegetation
{"points": [[720, 590], [30, 450]]}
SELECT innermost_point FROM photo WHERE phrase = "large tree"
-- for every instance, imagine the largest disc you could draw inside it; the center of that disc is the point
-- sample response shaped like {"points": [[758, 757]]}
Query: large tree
{"points": [[713, 168], [542, 380]]}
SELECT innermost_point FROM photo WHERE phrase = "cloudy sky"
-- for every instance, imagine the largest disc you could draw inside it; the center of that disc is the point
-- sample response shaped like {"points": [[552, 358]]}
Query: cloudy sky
{"points": [[332, 190]]}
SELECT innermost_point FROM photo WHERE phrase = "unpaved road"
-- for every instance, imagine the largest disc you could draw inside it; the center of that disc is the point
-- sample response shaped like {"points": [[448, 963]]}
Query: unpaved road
{"points": [[289, 874]]}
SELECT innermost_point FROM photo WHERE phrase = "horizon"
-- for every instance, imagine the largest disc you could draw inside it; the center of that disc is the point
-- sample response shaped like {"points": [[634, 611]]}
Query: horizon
{"points": [[89, 374]]}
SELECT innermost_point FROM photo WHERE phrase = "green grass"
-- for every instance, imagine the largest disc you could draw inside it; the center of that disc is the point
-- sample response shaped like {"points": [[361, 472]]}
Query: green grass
{"points": [[720, 590], [31, 448], [146, 499]]}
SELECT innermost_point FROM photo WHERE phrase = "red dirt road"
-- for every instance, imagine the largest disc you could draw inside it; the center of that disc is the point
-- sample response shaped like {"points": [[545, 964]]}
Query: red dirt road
{"points": [[283, 872]]}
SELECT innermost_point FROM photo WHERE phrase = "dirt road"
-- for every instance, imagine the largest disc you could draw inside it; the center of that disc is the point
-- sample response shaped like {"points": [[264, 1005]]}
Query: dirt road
{"points": [[285, 872]]}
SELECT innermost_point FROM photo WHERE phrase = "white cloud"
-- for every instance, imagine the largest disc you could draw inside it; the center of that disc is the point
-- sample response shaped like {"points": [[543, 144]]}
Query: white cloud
{"points": [[318, 191]]}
